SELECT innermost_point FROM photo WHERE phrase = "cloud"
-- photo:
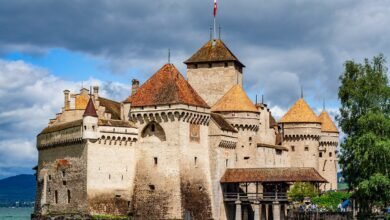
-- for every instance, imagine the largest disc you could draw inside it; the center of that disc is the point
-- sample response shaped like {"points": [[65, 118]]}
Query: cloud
{"points": [[30, 97]]}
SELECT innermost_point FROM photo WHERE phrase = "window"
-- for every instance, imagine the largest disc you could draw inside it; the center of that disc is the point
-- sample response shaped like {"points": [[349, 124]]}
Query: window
{"points": [[49, 177], [226, 162], [155, 161], [320, 154], [93, 127], [153, 128], [122, 177], [68, 196], [330, 154], [226, 64], [56, 196], [64, 183], [210, 65], [109, 176], [278, 152], [292, 148], [250, 138], [152, 187], [306, 148], [246, 158], [85, 127], [195, 160], [63, 173]]}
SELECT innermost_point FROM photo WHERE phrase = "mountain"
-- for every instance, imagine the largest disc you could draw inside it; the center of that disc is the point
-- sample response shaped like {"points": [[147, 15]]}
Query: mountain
{"points": [[18, 188]]}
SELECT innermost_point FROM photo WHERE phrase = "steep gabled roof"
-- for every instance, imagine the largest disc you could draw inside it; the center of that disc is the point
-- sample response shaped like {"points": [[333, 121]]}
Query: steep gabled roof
{"points": [[327, 124], [166, 86], [213, 53], [300, 112], [222, 123], [90, 109], [112, 107], [235, 100]]}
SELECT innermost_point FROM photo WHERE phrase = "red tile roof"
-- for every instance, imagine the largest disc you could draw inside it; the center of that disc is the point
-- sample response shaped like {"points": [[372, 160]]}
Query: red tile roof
{"points": [[166, 86], [285, 174], [213, 53], [90, 109]]}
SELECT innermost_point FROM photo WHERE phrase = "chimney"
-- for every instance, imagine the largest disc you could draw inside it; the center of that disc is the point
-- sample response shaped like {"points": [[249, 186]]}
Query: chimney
{"points": [[96, 92], [66, 99], [134, 86]]}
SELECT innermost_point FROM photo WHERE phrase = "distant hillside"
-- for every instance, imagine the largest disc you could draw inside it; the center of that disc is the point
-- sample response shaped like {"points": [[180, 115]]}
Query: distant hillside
{"points": [[17, 188]]}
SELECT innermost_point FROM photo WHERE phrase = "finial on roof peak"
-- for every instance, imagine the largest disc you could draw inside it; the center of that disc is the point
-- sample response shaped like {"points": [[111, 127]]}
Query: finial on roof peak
{"points": [[301, 92]]}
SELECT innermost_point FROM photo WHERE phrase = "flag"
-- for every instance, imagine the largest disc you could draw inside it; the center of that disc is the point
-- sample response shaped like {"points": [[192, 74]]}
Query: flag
{"points": [[215, 8]]}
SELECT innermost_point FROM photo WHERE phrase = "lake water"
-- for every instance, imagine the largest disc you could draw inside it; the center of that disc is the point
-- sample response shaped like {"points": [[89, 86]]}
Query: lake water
{"points": [[15, 213]]}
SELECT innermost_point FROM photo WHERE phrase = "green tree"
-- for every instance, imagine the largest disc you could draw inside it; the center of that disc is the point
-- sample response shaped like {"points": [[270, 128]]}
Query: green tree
{"points": [[301, 190], [365, 119]]}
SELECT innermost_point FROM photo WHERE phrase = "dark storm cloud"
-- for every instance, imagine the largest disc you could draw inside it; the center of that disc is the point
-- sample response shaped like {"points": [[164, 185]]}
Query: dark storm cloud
{"points": [[285, 44]]}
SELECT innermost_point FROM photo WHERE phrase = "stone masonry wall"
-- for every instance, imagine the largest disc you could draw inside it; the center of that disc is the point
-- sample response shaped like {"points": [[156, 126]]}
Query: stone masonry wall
{"points": [[212, 83], [65, 179]]}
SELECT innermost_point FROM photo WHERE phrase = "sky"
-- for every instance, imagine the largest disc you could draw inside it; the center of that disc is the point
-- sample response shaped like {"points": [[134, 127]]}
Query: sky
{"points": [[48, 46]]}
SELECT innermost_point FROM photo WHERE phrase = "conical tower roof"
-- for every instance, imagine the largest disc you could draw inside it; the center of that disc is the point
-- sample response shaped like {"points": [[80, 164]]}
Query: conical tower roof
{"points": [[300, 112], [327, 124], [218, 52], [90, 109], [166, 86], [235, 100]]}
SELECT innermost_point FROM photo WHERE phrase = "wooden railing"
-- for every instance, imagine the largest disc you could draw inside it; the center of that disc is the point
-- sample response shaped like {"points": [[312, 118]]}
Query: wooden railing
{"points": [[231, 196]]}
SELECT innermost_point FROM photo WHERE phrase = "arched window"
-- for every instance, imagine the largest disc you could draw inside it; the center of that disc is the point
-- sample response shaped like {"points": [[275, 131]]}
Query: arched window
{"points": [[154, 131]]}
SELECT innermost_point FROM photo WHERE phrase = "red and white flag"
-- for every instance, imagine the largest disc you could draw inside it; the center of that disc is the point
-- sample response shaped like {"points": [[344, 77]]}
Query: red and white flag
{"points": [[215, 8]]}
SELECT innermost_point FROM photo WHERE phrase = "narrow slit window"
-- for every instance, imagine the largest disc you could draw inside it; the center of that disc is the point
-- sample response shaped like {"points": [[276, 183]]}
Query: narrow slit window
{"points": [[292, 148], [56, 196], [69, 196], [306, 148], [195, 160], [155, 161]]}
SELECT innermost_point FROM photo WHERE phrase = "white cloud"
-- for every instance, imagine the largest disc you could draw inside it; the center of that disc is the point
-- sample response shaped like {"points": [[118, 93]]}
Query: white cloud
{"points": [[30, 97]]}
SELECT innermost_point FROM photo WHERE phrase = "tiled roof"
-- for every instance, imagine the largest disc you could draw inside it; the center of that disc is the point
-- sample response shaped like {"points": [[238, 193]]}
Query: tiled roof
{"points": [[272, 121], [235, 100], [62, 126], [285, 174], [166, 86], [213, 53], [222, 123], [90, 109], [277, 147], [300, 112], [112, 107], [116, 123], [327, 124]]}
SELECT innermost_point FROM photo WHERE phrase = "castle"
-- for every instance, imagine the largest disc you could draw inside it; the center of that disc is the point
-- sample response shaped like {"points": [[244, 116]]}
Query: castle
{"points": [[177, 148]]}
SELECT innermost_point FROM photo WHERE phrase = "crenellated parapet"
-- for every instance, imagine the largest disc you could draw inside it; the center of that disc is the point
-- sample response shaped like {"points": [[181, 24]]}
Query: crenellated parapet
{"points": [[169, 113]]}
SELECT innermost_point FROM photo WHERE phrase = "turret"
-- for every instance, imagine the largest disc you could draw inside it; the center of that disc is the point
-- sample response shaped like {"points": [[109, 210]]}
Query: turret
{"points": [[213, 70], [329, 140], [90, 122], [301, 133]]}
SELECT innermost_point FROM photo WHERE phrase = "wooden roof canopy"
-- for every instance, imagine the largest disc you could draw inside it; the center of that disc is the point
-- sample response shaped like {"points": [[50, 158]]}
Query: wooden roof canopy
{"points": [[285, 174], [218, 52], [166, 86]]}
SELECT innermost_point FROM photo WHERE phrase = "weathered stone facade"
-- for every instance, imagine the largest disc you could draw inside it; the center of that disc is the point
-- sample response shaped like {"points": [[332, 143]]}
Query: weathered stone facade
{"points": [[162, 152]]}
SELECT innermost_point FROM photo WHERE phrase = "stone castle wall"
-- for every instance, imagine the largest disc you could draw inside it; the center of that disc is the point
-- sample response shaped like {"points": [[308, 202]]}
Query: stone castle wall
{"points": [[212, 82], [328, 159], [62, 179], [303, 143]]}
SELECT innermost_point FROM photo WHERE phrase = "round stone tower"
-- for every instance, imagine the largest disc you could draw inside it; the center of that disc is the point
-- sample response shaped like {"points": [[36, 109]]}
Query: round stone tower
{"points": [[329, 140], [301, 133], [241, 113]]}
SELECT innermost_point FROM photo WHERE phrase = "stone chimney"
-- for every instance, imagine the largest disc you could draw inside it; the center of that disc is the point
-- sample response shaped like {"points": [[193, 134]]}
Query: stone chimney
{"points": [[134, 86], [96, 92], [66, 99]]}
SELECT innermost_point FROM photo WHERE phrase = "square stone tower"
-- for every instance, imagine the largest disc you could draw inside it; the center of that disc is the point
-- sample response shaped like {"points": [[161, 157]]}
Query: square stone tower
{"points": [[213, 70]]}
